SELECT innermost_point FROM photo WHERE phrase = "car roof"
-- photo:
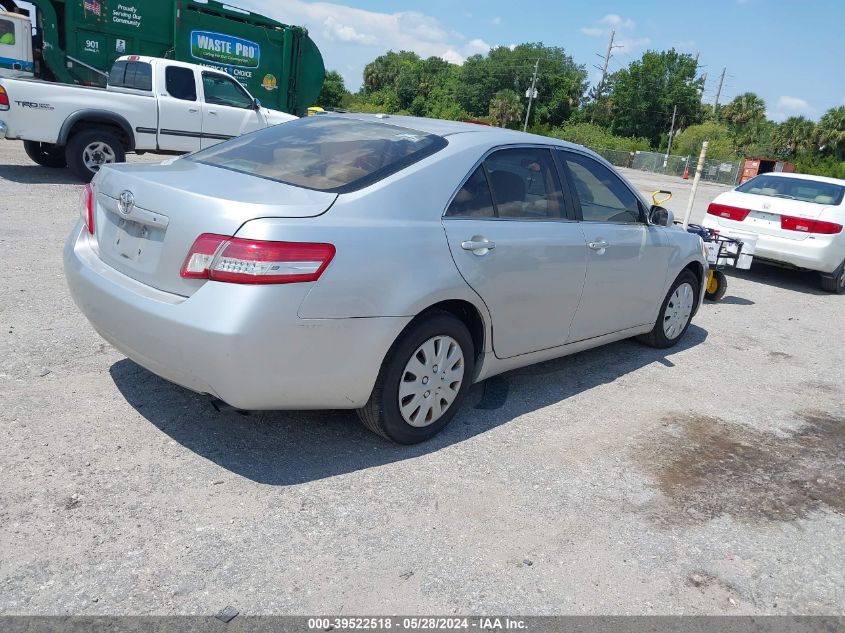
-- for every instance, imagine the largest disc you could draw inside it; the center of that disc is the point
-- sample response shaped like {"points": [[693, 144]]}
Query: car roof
{"points": [[782, 174], [443, 127]]}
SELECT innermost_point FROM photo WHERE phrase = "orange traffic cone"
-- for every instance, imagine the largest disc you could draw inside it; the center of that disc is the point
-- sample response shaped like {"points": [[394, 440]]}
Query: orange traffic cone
{"points": [[686, 172]]}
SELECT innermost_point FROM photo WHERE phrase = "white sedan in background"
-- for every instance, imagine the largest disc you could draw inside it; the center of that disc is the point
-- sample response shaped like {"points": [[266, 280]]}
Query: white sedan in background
{"points": [[798, 221]]}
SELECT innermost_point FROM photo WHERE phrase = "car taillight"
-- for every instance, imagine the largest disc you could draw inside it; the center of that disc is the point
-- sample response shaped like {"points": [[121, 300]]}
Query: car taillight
{"points": [[4, 99], [86, 208], [240, 261], [803, 225], [724, 211]]}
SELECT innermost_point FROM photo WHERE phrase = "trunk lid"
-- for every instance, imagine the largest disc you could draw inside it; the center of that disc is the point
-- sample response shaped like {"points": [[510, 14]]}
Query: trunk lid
{"points": [[174, 203], [766, 211]]}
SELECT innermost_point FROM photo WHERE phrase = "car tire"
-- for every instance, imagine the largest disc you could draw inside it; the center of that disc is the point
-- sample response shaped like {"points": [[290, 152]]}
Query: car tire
{"points": [[835, 283], [45, 154], [91, 148], [676, 312], [429, 341], [716, 289]]}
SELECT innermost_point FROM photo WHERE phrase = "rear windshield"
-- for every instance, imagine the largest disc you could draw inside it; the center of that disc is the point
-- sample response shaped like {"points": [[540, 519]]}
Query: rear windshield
{"points": [[794, 189], [137, 75], [323, 152]]}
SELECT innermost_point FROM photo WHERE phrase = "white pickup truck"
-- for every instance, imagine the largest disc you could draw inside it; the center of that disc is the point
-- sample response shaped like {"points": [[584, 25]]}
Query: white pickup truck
{"points": [[150, 105]]}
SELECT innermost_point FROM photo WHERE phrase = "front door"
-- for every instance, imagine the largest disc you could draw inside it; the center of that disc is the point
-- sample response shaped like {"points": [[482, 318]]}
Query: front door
{"points": [[627, 259], [228, 110], [517, 245]]}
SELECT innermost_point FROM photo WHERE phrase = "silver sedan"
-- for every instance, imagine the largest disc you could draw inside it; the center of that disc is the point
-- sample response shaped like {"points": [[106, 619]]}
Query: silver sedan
{"points": [[377, 263]]}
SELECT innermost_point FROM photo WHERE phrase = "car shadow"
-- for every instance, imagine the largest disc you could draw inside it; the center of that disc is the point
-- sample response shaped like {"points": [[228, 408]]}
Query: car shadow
{"points": [[283, 448], [785, 278], [37, 175]]}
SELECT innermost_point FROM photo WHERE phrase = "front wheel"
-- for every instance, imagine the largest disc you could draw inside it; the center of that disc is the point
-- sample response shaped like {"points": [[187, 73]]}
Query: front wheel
{"points": [[45, 154], [423, 380], [89, 150], [675, 312], [836, 283]]}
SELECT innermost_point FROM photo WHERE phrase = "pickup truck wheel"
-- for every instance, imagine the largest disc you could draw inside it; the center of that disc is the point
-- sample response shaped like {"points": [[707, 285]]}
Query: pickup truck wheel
{"points": [[45, 154], [89, 150]]}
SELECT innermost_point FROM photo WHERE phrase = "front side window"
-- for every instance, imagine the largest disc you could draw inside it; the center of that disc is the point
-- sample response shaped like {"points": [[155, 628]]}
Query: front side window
{"points": [[7, 32], [513, 184], [180, 83], [135, 75], [795, 189], [223, 91], [325, 153], [602, 194]]}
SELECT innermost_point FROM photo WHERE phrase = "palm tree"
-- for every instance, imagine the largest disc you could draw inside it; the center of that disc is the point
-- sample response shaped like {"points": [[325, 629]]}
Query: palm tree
{"points": [[831, 131], [795, 134], [505, 107], [745, 108]]}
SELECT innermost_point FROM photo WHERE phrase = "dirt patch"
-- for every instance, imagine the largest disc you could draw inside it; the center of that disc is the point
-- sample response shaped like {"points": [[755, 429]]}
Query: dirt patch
{"points": [[706, 467], [780, 356]]}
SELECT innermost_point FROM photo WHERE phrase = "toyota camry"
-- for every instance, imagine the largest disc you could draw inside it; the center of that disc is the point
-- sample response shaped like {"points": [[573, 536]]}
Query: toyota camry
{"points": [[373, 262]]}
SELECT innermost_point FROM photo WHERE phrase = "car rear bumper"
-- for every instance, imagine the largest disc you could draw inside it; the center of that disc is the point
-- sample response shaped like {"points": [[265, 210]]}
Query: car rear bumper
{"points": [[823, 253], [242, 344]]}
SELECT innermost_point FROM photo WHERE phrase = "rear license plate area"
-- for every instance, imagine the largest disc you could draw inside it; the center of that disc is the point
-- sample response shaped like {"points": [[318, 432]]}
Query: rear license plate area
{"points": [[130, 239], [762, 217]]}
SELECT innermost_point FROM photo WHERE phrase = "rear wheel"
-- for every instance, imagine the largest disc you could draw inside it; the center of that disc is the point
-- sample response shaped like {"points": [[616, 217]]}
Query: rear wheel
{"points": [[89, 150], [675, 313], [836, 283], [45, 154], [423, 380], [717, 286]]}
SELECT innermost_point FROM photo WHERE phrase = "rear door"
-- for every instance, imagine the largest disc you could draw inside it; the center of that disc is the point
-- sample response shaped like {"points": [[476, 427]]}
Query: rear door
{"points": [[179, 108], [627, 259], [512, 234], [228, 110]]}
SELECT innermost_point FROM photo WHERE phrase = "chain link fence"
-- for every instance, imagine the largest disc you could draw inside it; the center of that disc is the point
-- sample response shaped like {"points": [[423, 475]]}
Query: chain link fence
{"points": [[723, 172]]}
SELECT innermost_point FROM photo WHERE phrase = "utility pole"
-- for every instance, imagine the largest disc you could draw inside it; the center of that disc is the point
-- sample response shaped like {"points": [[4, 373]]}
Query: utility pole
{"points": [[719, 90], [671, 134], [532, 93]]}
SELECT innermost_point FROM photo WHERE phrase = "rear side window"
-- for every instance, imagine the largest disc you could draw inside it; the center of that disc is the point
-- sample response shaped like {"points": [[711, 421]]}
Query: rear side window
{"points": [[325, 153], [180, 83], [795, 188], [136, 75], [474, 199]]}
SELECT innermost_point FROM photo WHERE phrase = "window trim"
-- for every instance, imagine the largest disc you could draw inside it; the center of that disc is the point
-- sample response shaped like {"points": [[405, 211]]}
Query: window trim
{"points": [[643, 219], [569, 210], [207, 73]]}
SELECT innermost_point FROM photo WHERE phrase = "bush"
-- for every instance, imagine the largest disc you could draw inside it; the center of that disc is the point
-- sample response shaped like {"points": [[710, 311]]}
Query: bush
{"points": [[596, 137], [688, 142], [817, 165]]}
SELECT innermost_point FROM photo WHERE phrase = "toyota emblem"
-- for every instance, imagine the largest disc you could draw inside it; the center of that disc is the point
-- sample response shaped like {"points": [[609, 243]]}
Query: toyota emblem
{"points": [[126, 202]]}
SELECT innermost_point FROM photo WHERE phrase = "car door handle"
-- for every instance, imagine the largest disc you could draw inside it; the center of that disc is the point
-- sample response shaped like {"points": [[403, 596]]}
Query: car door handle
{"points": [[478, 245], [193, 110], [598, 246], [214, 112]]}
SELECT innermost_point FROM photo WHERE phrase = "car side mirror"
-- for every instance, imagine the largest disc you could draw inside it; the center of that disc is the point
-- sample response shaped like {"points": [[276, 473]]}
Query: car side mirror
{"points": [[661, 216], [257, 104]]}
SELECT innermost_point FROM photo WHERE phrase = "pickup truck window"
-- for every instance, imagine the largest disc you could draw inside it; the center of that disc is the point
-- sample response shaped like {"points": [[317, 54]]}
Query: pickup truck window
{"points": [[137, 75], [180, 83], [220, 90]]}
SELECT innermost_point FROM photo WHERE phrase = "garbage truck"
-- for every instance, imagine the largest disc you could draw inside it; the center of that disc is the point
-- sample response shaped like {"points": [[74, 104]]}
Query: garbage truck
{"points": [[78, 41]]}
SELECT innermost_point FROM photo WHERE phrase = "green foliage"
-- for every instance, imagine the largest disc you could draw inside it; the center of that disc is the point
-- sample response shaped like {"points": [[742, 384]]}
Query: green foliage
{"points": [[816, 164], [334, 91], [831, 131], [505, 108], [641, 97], [796, 134], [595, 137], [689, 141]]}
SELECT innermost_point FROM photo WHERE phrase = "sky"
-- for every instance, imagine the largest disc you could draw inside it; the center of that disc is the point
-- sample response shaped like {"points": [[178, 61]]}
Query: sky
{"points": [[790, 52]]}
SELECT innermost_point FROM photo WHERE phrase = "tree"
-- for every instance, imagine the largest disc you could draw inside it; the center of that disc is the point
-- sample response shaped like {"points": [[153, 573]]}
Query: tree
{"points": [[689, 141], [831, 131], [505, 107], [334, 91], [642, 96], [744, 109], [794, 135]]}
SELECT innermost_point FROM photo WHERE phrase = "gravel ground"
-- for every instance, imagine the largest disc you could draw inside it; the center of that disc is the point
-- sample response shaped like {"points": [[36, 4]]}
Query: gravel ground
{"points": [[624, 480]]}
